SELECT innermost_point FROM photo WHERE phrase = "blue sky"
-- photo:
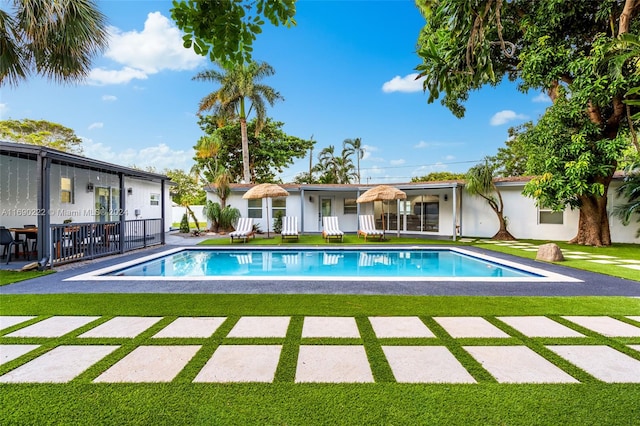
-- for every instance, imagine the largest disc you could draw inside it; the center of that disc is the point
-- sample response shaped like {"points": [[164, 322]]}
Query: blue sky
{"points": [[345, 71]]}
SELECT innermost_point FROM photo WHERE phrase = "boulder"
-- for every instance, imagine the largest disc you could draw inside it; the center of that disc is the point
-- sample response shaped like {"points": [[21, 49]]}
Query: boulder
{"points": [[550, 253]]}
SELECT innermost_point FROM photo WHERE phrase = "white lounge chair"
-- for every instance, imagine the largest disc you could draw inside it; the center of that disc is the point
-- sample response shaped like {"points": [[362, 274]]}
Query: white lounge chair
{"points": [[368, 227], [330, 228], [290, 227], [244, 230]]}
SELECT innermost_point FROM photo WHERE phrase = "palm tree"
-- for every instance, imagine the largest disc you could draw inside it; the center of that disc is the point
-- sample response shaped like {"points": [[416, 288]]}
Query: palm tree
{"points": [[334, 169], [237, 86], [354, 146], [57, 39], [480, 183], [208, 167], [631, 190]]}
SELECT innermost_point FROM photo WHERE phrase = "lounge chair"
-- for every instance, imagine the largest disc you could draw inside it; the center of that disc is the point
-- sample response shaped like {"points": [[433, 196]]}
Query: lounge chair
{"points": [[368, 227], [290, 227], [330, 228], [244, 230]]}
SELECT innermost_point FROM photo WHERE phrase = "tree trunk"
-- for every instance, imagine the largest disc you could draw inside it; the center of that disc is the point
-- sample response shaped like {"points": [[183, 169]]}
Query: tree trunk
{"points": [[502, 233], [246, 173], [593, 225], [193, 216]]}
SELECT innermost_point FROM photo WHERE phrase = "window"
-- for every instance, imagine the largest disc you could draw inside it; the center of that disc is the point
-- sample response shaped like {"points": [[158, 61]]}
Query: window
{"points": [[66, 190], [278, 205], [549, 217], [255, 208], [155, 199], [350, 206]]}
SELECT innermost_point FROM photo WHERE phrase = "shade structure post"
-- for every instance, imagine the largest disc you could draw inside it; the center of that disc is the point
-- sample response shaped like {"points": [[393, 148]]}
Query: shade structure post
{"points": [[382, 193]]}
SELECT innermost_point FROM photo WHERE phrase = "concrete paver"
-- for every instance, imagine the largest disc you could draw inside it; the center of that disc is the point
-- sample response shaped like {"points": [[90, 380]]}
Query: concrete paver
{"points": [[149, 364], [634, 318], [333, 364], [59, 365], [388, 327], [636, 347], [53, 327], [460, 327], [425, 364], [11, 352], [122, 327], [518, 364], [606, 326], [602, 362], [330, 327], [10, 321], [260, 327], [241, 363], [191, 327], [538, 326], [635, 267]]}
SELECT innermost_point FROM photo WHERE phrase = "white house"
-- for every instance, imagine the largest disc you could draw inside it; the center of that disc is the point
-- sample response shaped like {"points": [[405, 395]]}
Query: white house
{"points": [[82, 208], [431, 209]]}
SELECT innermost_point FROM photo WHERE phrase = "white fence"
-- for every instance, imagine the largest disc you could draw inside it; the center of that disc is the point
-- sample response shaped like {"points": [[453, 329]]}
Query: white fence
{"points": [[178, 211]]}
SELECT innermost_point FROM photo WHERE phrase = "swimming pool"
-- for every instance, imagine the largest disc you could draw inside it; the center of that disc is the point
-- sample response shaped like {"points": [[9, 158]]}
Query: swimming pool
{"points": [[308, 264]]}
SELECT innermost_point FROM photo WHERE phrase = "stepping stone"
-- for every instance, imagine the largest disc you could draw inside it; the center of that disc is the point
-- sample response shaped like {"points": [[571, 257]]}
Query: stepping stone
{"points": [[530, 249], [635, 267], [602, 362], [539, 327], [460, 327], [576, 256], [260, 327], [518, 364], [59, 365], [333, 364], [635, 347], [330, 327], [425, 364], [603, 261], [637, 319], [603, 256], [241, 363], [606, 326], [10, 321], [53, 327], [11, 352], [149, 364], [577, 252], [122, 327], [466, 240], [192, 327], [387, 327], [629, 261]]}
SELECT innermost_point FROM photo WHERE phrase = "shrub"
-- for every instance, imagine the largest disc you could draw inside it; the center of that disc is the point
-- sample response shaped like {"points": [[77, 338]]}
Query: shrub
{"points": [[277, 222], [184, 225]]}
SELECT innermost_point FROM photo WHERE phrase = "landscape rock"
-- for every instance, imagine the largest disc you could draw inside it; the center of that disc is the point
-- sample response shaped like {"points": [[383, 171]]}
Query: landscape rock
{"points": [[550, 253]]}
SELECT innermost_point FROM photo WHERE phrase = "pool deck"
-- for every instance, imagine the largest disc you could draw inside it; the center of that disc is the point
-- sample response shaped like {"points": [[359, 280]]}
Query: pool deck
{"points": [[592, 284]]}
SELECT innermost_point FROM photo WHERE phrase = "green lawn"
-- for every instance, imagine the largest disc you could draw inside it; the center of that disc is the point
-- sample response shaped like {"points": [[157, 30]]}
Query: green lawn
{"points": [[285, 402]]}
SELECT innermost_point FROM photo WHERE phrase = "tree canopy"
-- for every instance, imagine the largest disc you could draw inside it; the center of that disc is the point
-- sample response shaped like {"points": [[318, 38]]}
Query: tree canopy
{"points": [[57, 39], [271, 151], [562, 48], [225, 30], [42, 133], [438, 176]]}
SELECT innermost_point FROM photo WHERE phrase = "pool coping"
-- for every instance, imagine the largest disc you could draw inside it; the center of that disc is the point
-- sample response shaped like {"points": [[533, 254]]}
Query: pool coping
{"points": [[543, 274]]}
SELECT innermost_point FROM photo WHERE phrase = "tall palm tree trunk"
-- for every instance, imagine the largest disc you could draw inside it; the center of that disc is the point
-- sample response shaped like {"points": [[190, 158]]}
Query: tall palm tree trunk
{"points": [[246, 172]]}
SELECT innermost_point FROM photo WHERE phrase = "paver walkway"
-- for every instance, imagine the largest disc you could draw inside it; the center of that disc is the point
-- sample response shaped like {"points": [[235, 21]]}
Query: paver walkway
{"points": [[327, 349]]}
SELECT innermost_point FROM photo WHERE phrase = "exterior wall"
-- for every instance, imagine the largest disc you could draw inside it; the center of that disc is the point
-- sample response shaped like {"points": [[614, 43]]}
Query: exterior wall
{"points": [[138, 203], [18, 192]]}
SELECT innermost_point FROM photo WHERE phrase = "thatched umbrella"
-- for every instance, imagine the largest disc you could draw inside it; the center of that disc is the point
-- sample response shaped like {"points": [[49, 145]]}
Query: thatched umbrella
{"points": [[381, 193], [265, 190]]}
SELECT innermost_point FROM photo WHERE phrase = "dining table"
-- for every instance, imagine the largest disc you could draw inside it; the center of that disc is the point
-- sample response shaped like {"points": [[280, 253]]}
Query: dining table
{"points": [[29, 233]]}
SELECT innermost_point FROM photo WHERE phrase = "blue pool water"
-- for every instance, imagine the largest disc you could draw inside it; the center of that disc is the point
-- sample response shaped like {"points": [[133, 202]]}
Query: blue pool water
{"points": [[320, 263]]}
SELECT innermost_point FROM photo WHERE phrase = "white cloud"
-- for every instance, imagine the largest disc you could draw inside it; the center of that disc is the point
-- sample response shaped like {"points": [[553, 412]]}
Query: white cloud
{"points": [[156, 48], [397, 162], [542, 98], [109, 98], [101, 76], [160, 156], [505, 116], [368, 150], [3, 109], [449, 157], [96, 125], [425, 144], [406, 84]]}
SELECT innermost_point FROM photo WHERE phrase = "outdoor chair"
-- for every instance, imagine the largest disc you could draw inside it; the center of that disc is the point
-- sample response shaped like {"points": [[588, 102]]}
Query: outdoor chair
{"points": [[7, 240], [32, 238], [368, 227], [290, 227], [244, 230], [330, 228]]}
